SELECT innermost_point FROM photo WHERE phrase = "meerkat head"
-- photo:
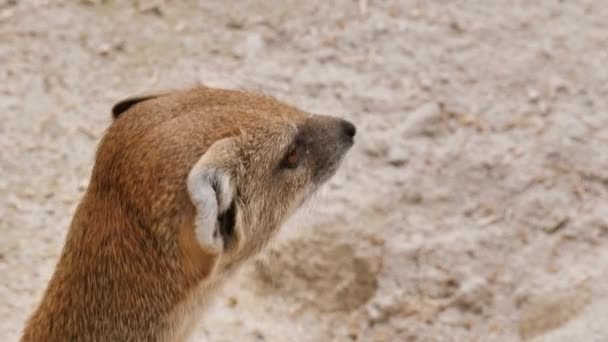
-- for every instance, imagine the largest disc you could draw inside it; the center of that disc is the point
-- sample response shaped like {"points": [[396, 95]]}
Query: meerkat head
{"points": [[229, 166]]}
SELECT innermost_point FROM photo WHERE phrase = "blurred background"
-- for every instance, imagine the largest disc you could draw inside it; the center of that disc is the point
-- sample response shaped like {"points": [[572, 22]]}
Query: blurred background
{"points": [[474, 206]]}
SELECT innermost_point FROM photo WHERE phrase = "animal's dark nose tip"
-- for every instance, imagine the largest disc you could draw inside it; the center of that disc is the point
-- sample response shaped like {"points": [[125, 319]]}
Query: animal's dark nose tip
{"points": [[348, 129]]}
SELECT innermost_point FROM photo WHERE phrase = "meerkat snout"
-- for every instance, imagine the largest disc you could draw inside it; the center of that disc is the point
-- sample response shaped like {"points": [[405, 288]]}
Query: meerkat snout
{"points": [[349, 130], [186, 186]]}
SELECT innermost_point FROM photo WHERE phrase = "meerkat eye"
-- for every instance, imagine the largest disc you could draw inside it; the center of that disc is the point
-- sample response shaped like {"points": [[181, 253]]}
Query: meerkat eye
{"points": [[292, 159], [296, 154]]}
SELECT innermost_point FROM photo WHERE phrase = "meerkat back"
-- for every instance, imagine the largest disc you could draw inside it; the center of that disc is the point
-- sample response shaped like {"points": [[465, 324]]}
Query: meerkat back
{"points": [[186, 186]]}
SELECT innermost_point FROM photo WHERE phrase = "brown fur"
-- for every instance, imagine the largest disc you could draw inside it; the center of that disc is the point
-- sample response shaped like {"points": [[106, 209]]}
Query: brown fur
{"points": [[132, 268]]}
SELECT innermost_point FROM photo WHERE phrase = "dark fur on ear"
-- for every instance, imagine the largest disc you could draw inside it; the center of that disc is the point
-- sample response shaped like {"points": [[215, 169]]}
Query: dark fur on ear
{"points": [[124, 105]]}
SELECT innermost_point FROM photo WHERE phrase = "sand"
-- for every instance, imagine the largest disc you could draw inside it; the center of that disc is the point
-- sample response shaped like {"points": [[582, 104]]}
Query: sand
{"points": [[473, 207]]}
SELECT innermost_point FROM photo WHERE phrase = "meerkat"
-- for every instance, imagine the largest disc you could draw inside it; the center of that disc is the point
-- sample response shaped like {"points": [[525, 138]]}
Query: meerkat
{"points": [[186, 186]]}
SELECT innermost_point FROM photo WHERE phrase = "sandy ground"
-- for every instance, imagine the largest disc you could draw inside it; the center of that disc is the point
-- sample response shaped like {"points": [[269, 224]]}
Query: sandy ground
{"points": [[474, 206]]}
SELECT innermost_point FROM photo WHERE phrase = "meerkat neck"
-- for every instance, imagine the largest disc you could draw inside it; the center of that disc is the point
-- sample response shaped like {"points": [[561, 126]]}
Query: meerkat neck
{"points": [[107, 284]]}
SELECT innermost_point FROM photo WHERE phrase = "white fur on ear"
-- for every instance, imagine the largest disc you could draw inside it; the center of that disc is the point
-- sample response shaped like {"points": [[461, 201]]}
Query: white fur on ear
{"points": [[211, 191]]}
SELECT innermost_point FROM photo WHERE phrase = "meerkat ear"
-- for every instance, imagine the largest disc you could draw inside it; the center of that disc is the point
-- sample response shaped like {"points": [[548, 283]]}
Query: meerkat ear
{"points": [[124, 105], [211, 189]]}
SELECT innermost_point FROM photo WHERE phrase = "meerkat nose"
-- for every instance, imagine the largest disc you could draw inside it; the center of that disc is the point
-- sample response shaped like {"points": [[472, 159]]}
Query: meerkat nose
{"points": [[348, 129]]}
